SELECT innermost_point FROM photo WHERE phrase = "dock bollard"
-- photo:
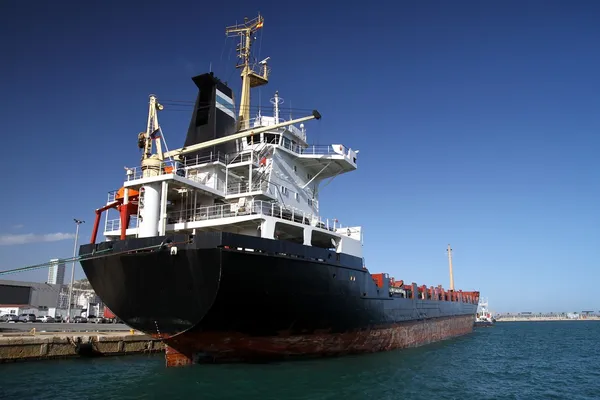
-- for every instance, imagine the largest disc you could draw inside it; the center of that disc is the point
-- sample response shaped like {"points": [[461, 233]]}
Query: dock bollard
{"points": [[131, 331]]}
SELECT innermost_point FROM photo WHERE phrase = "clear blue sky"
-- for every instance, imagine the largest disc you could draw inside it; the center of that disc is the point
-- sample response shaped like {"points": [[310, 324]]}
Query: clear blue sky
{"points": [[477, 122]]}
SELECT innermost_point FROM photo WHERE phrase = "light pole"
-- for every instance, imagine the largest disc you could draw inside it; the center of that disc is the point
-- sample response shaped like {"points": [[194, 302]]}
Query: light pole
{"points": [[78, 222]]}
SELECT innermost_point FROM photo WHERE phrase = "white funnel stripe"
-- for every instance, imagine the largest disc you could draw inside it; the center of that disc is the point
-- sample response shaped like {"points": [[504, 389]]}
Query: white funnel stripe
{"points": [[224, 97], [225, 110]]}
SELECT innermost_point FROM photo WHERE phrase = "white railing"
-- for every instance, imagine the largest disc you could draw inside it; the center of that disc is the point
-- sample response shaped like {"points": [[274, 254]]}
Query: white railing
{"points": [[112, 196], [257, 207], [241, 157], [245, 187], [317, 150], [216, 157], [180, 168], [210, 181], [115, 224]]}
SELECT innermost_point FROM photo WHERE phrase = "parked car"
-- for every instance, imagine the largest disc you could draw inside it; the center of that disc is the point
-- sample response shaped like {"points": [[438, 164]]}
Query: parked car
{"points": [[27, 318], [9, 318], [95, 320], [46, 318], [79, 319]]}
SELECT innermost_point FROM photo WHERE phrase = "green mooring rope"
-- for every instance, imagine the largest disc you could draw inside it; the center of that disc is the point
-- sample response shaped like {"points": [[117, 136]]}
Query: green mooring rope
{"points": [[89, 256]]}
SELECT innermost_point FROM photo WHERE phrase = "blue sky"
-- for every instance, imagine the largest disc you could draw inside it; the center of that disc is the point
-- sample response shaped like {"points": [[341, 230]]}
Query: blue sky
{"points": [[477, 124]]}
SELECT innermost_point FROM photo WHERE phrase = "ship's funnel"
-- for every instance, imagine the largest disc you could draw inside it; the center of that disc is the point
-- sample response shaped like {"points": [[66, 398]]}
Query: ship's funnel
{"points": [[213, 116]]}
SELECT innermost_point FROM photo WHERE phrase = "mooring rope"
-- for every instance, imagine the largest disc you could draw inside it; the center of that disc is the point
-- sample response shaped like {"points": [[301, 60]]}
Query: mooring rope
{"points": [[84, 257]]}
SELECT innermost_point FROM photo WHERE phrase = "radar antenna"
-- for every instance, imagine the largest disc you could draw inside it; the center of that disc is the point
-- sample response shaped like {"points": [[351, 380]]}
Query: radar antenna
{"points": [[252, 75]]}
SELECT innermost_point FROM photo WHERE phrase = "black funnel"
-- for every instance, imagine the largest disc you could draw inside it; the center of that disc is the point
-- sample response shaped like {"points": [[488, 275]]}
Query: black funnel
{"points": [[213, 117]]}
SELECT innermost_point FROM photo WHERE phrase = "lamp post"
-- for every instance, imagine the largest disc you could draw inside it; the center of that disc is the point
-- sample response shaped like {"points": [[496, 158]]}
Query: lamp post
{"points": [[78, 222]]}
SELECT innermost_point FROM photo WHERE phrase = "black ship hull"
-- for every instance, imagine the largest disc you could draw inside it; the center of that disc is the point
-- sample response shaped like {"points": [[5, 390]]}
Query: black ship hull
{"points": [[228, 296]]}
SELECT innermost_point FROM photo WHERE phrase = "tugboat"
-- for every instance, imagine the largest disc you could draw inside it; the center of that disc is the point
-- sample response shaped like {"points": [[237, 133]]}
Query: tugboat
{"points": [[220, 250], [484, 317]]}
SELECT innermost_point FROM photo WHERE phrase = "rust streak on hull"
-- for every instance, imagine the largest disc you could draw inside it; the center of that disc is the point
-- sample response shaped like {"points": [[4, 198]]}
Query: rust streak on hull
{"points": [[193, 347]]}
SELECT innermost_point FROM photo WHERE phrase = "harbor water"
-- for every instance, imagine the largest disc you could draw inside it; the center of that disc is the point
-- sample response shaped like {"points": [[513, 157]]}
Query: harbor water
{"points": [[511, 360]]}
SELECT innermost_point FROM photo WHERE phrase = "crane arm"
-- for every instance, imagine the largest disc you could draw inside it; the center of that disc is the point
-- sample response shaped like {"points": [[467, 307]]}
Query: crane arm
{"points": [[239, 135]]}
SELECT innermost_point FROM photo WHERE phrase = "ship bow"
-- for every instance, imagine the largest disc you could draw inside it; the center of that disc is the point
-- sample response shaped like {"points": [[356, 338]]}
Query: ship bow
{"points": [[160, 290]]}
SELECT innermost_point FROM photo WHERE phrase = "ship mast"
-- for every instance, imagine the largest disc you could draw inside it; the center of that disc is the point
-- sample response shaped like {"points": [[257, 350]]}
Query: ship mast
{"points": [[450, 266], [145, 138], [250, 77]]}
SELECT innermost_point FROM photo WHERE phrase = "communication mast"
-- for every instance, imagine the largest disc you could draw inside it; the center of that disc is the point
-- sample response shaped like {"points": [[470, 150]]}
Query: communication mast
{"points": [[276, 101], [252, 75]]}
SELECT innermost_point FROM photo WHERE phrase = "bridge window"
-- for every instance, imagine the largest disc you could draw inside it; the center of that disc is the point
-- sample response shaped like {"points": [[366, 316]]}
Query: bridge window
{"points": [[287, 143], [271, 138]]}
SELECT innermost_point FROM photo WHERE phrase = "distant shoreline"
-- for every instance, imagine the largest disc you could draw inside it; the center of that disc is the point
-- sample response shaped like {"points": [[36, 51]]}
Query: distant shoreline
{"points": [[535, 319]]}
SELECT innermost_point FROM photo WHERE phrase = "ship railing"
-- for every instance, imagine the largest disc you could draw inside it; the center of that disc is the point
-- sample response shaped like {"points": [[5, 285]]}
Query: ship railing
{"points": [[325, 150], [112, 196], [182, 168], [259, 69], [209, 158], [246, 187], [317, 150], [115, 224], [209, 180], [178, 167], [240, 157], [256, 207]]}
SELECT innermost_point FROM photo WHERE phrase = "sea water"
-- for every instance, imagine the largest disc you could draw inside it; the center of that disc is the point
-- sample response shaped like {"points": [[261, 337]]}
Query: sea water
{"points": [[511, 360]]}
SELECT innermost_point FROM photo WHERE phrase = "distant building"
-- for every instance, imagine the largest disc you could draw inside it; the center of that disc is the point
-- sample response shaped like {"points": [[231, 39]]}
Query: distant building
{"points": [[37, 298], [56, 272], [63, 297], [17, 295]]}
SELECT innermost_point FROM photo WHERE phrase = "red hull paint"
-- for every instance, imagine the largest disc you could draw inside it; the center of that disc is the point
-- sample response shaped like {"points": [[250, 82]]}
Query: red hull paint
{"points": [[186, 348]]}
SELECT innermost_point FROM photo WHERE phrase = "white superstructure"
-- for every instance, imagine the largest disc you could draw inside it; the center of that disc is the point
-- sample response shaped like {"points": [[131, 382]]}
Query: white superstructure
{"points": [[268, 188]]}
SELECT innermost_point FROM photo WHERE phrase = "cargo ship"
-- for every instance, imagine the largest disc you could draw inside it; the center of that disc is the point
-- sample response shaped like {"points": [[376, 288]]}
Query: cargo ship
{"points": [[218, 248]]}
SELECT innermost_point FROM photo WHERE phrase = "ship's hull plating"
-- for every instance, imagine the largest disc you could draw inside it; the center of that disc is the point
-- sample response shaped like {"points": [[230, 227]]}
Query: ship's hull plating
{"points": [[223, 296]]}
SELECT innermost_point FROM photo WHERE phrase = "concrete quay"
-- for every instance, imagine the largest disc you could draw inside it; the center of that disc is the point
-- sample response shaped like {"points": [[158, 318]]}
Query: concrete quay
{"points": [[540, 319], [6, 327], [33, 345]]}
